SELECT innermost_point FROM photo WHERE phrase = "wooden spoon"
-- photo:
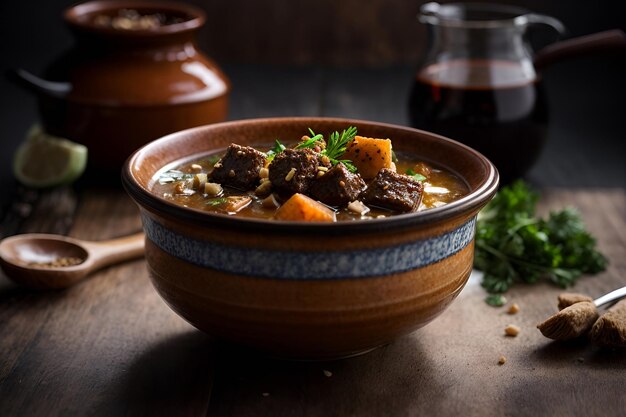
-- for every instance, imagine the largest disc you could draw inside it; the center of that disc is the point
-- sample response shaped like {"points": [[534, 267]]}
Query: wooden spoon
{"points": [[34, 260]]}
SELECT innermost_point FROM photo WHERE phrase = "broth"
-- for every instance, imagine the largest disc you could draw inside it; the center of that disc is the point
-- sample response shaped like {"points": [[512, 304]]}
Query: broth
{"points": [[440, 188]]}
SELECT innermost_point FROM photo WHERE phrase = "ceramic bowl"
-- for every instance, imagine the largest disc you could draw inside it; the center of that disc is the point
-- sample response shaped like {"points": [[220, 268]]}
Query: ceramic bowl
{"points": [[304, 290]]}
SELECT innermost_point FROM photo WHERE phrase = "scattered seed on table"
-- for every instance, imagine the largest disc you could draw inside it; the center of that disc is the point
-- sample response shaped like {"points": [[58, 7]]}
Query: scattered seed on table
{"points": [[511, 330], [513, 309]]}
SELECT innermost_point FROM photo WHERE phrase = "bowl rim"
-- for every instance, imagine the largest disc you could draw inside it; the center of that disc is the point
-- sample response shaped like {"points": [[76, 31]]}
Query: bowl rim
{"points": [[471, 202]]}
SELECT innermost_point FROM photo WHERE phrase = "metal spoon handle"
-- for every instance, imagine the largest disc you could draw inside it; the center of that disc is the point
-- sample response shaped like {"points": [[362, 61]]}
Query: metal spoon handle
{"points": [[610, 297]]}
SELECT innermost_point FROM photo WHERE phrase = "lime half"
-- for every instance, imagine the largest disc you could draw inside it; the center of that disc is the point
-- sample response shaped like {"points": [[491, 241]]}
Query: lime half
{"points": [[45, 161]]}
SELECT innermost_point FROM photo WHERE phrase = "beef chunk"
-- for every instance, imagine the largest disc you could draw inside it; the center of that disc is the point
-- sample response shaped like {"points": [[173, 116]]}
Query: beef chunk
{"points": [[239, 168], [393, 191], [292, 171], [337, 187]]}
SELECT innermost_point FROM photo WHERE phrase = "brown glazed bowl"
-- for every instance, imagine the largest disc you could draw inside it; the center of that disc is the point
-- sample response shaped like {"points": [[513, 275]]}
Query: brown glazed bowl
{"points": [[308, 290]]}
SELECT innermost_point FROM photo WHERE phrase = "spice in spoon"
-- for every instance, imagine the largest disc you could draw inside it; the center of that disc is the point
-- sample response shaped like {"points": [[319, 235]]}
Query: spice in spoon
{"points": [[58, 262]]}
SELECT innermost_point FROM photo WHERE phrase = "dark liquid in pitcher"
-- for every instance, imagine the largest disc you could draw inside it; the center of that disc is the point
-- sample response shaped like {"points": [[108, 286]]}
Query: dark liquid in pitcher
{"points": [[488, 105]]}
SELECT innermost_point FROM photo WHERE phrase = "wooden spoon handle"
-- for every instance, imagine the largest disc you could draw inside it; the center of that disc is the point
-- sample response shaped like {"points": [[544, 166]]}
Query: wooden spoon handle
{"points": [[116, 250]]}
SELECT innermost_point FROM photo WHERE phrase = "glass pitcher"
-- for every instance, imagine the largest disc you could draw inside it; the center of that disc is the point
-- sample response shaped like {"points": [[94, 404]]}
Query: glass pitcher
{"points": [[478, 84]]}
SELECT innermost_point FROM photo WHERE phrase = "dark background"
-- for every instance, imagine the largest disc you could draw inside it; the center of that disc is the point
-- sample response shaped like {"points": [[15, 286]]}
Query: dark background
{"points": [[351, 48]]}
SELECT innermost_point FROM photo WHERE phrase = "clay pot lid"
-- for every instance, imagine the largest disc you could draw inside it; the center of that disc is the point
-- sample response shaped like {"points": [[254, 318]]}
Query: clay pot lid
{"points": [[82, 16]]}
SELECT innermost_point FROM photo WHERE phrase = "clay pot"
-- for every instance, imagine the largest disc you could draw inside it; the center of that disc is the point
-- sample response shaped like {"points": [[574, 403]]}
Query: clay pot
{"points": [[308, 290], [117, 89]]}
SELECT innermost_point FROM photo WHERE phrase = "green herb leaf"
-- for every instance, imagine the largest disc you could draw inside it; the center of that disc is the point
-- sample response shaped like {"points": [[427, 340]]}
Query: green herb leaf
{"points": [[348, 163], [415, 175], [278, 148], [216, 201], [173, 175], [495, 300], [512, 245], [336, 145], [310, 142], [213, 159]]}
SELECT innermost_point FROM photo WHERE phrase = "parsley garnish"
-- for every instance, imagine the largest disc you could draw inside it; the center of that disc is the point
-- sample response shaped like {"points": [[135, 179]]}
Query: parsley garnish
{"points": [[310, 142], [278, 148], [173, 175], [348, 163], [337, 143], [415, 175], [216, 201], [335, 146], [512, 245], [213, 159]]}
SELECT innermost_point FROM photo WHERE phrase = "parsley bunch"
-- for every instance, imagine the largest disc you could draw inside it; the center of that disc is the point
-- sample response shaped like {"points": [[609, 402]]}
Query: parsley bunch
{"points": [[512, 245]]}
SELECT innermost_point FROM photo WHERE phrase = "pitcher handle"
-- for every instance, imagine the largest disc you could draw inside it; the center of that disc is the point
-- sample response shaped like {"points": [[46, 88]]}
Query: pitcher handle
{"points": [[609, 41], [428, 12], [534, 18]]}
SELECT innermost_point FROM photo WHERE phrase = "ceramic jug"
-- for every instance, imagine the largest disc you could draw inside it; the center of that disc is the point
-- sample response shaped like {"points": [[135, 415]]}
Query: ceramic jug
{"points": [[118, 87], [480, 82]]}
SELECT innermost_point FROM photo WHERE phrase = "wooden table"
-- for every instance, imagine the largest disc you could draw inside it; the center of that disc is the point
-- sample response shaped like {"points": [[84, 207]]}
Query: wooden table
{"points": [[110, 346]]}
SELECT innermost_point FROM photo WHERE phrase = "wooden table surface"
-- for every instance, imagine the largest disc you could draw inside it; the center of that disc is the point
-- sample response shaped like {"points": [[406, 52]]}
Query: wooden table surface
{"points": [[110, 346]]}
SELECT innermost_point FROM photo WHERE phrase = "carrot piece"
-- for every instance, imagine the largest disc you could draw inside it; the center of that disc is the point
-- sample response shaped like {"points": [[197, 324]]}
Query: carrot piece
{"points": [[302, 208], [369, 155]]}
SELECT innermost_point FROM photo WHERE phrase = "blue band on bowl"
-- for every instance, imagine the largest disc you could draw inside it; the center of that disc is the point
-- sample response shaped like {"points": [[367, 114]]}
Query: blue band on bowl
{"points": [[310, 265]]}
